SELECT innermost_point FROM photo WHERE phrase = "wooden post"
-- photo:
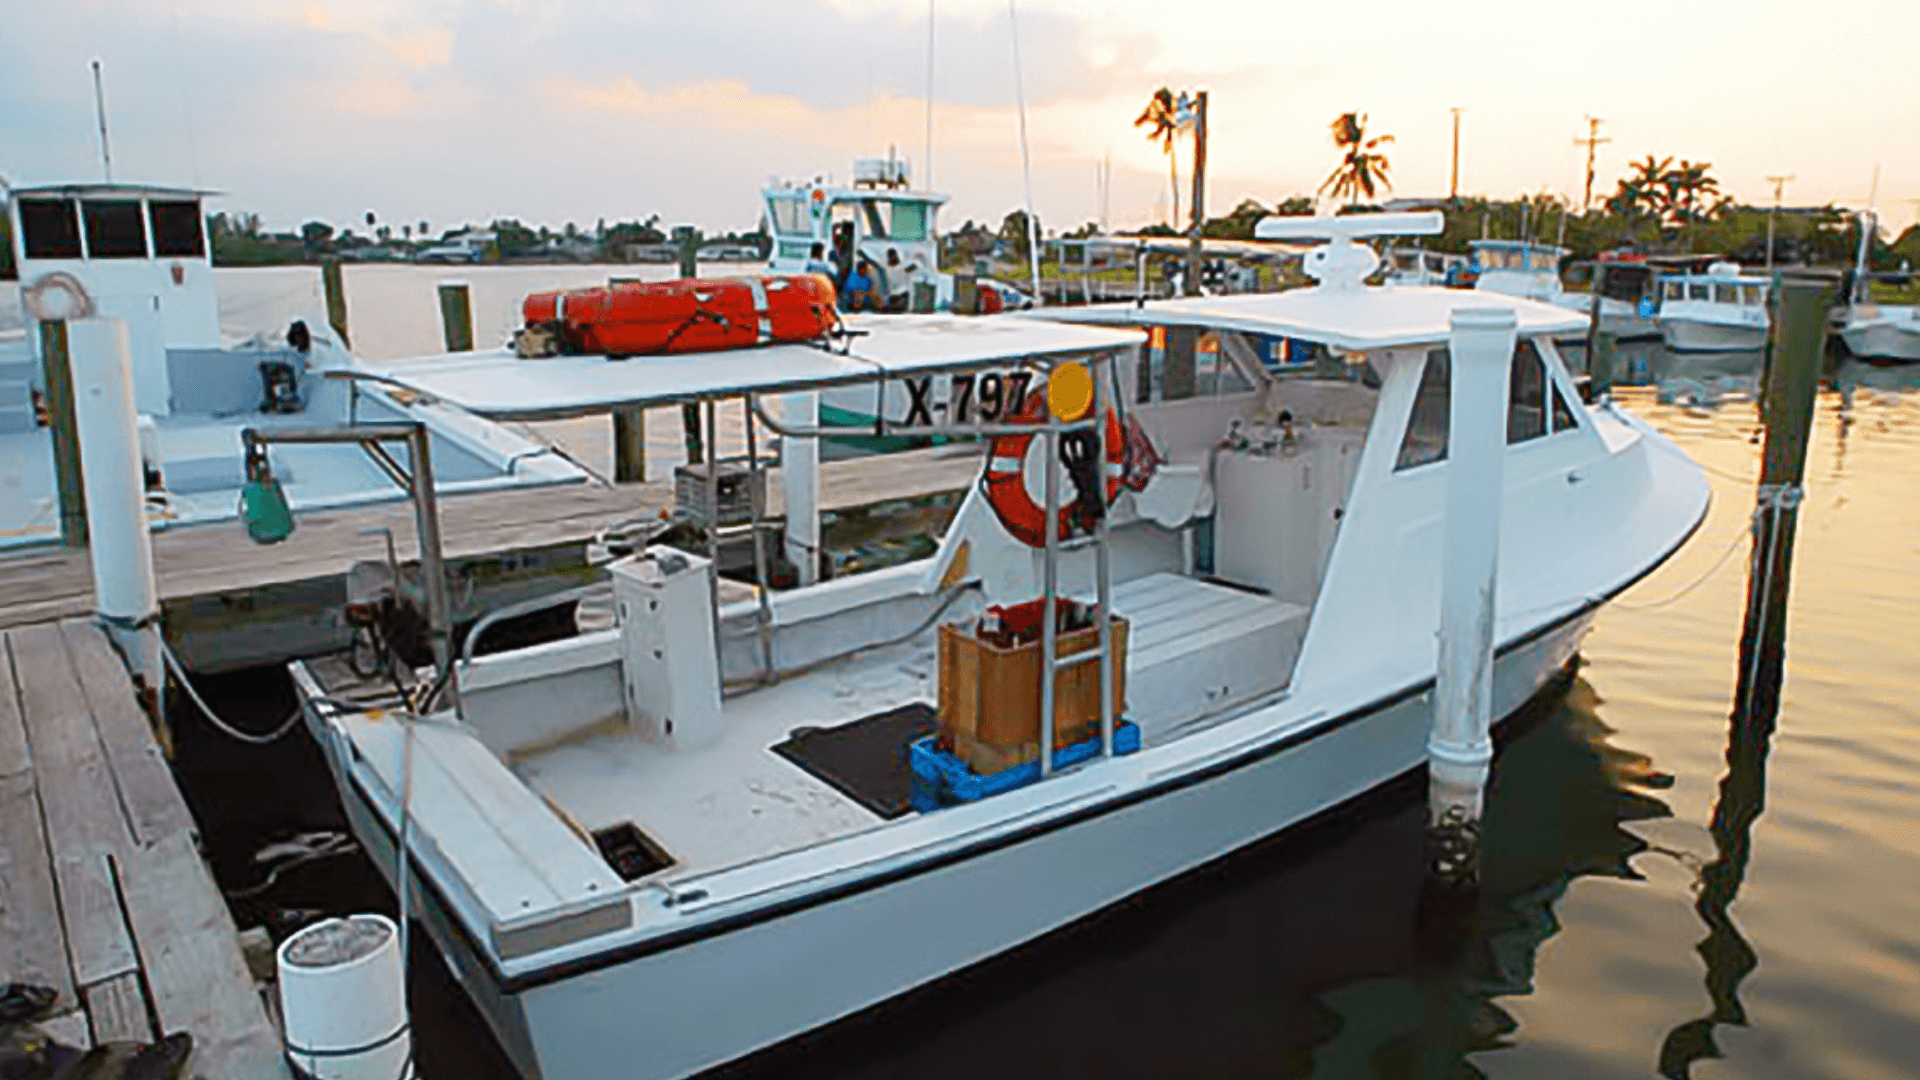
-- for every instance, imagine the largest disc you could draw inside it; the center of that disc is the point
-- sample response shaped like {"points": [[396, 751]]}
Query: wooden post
{"points": [[966, 295], [1178, 378], [630, 446], [1790, 380], [689, 253], [1599, 344], [57, 371], [336, 289], [1199, 199], [456, 316], [690, 428]]}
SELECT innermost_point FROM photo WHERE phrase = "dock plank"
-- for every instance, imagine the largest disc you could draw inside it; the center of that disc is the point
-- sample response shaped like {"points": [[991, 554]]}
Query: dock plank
{"points": [[85, 824], [14, 758], [117, 1010], [153, 805], [191, 957], [33, 946]]}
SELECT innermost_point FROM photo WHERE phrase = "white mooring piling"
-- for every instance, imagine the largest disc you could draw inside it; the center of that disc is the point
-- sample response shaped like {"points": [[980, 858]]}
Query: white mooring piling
{"points": [[343, 998], [124, 594], [1460, 747], [800, 481]]}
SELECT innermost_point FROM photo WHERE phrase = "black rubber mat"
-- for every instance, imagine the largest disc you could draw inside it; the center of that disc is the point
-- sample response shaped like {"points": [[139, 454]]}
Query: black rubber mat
{"points": [[865, 759]]}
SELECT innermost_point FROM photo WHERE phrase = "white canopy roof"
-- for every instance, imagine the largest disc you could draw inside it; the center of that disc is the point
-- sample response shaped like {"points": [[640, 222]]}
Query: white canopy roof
{"points": [[1351, 319], [501, 385]]}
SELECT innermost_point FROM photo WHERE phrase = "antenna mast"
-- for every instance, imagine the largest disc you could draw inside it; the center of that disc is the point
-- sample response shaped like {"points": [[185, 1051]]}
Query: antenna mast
{"points": [[1592, 142], [926, 178], [100, 108]]}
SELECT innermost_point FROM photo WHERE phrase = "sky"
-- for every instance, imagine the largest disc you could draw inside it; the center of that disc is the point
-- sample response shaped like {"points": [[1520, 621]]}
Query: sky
{"points": [[580, 110]]}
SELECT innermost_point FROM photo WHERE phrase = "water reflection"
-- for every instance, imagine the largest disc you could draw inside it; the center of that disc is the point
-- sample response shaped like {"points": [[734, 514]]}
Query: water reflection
{"points": [[1561, 793]]}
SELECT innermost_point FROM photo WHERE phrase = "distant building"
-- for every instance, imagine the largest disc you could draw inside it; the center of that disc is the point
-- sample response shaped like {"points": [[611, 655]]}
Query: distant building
{"points": [[468, 246]]}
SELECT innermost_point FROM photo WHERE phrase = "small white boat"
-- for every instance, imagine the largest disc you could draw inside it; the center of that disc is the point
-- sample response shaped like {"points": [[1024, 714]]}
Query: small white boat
{"points": [[1721, 310], [138, 253], [1418, 266], [1532, 270], [637, 869], [1882, 331]]}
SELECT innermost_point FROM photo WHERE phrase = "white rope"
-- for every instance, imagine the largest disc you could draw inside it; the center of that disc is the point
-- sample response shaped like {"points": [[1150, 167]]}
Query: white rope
{"points": [[1718, 563], [251, 739]]}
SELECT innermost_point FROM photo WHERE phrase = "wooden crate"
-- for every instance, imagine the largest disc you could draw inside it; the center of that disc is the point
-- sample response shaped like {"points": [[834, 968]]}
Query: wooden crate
{"points": [[990, 697]]}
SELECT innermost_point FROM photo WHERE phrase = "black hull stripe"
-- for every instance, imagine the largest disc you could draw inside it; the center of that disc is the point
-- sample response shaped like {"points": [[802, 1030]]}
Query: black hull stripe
{"points": [[567, 969]]}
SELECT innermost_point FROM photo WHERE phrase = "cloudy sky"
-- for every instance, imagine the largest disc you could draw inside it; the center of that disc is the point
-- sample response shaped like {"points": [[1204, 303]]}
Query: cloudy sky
{"points": [[557, 110]]}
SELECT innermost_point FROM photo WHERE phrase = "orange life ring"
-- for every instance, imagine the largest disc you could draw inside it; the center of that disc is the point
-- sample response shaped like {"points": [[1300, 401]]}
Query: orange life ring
{"points": [[1006, 476]]}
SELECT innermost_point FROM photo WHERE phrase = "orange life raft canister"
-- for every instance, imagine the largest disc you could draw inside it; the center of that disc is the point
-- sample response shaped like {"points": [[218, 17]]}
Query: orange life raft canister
{"points": [[690, 315]]}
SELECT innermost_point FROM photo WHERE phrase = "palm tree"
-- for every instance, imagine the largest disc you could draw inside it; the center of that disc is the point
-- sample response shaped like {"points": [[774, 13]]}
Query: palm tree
{"points": [[1162, 118], [1364, 169], [1691, 185]]}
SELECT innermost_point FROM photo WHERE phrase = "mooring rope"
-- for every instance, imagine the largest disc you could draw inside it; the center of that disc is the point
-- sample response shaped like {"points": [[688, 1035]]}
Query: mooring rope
{"points": [[248, 737]]}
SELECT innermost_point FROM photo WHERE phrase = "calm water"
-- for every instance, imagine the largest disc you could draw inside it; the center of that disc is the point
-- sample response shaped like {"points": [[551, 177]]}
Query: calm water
{"points": [[1619, 933]]}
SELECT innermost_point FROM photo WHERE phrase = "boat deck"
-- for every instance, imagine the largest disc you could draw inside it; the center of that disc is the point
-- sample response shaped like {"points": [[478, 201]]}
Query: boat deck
{"points": [[103, 895], [1197, 649]]}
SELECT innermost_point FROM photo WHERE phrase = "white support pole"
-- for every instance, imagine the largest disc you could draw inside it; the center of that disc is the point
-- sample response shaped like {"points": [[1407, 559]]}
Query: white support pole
{"points": [[1460, 747], [124, 594], [800, 481]]}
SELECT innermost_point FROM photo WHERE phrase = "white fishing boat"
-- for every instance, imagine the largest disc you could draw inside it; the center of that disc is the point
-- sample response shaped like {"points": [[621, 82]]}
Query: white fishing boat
{"points": [[1875, 331], [1882, 331], [1418, 266], [721, 823], [1721, 310], [1532, 270], [138, 253]]}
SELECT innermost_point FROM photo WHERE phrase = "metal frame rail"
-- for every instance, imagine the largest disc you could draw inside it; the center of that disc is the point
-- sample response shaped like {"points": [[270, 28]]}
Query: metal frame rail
{"points": [[1051, 662]]}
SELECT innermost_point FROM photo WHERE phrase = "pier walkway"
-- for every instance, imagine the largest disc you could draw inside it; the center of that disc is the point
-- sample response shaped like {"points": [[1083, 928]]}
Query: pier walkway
{"points": [[223, 596], [103, 895]]}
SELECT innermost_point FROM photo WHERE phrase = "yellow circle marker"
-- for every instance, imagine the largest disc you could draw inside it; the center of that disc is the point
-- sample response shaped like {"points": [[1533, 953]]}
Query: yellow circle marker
{"points": [[1070, 392]]}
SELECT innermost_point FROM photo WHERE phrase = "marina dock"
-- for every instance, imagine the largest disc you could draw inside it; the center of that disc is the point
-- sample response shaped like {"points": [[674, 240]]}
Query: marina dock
{"points": [[103, 895], [219, 592]]}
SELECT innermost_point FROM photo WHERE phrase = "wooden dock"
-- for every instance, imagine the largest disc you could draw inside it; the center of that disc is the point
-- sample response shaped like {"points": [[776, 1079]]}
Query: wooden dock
{"points": [[230, 603], [103, 894]]}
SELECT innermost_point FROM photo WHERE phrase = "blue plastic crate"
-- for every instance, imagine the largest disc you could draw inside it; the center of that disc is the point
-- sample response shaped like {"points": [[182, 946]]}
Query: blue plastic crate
{"points": [[939, 778]]}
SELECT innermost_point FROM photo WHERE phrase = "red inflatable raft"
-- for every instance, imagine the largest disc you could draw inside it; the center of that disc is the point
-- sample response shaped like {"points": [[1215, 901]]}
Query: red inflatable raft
{"points": [[691, 315]]}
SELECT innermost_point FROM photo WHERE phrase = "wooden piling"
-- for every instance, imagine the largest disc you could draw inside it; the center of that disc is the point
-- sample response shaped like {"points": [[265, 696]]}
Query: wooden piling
{"points": [[690, 429], [630, 446], [335, 286], [57, 371], [1599, 368], [1178, 378], [456, 316], [689, 254], [1790, 381]]}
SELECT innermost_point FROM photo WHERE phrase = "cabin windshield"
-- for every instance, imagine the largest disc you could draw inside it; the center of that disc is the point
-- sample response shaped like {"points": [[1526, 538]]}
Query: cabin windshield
{"points": [[114, 229], [50, 229], [176, 228], [908, 221], [789, 213]]}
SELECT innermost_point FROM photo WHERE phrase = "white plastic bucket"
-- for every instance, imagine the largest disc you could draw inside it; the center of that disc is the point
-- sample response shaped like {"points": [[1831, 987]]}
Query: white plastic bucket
{"points": [[343, 998]]}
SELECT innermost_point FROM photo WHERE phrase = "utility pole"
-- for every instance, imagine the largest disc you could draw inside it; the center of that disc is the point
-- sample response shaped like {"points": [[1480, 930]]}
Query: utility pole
{"points": [[1779, 185], [1199, 190], [1453, 186], [1592, 142]]}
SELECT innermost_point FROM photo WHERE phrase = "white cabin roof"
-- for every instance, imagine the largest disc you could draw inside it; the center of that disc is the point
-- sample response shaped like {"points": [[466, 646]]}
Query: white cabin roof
{"points": [[501, 385], [1355, 320], [106, 191]]}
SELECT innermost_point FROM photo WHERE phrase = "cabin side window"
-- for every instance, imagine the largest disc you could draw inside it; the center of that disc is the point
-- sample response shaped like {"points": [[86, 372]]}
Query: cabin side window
{"points": [[1426, 439], [49, 229], [1526, 394], [114, 229], [1563, 419], [176, 228], [1698, 290], [908, 221]]}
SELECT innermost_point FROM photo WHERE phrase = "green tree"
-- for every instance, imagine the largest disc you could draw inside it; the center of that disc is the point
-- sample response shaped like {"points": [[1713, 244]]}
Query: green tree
{"points": [[1295, 206], [317, 235], [1237, 225], [1363, 168], [1161, 118], [1013, 233]]}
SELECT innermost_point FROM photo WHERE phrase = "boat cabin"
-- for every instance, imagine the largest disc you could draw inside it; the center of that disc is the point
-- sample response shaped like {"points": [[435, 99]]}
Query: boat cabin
{"points": [[1721, 284], [877, 215], [1517, 268]]}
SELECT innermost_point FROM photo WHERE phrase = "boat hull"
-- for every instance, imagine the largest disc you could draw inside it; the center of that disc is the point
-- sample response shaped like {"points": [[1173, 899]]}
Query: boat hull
{"points": [[1884, 341], [669, 1009], [1692, 335]]}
